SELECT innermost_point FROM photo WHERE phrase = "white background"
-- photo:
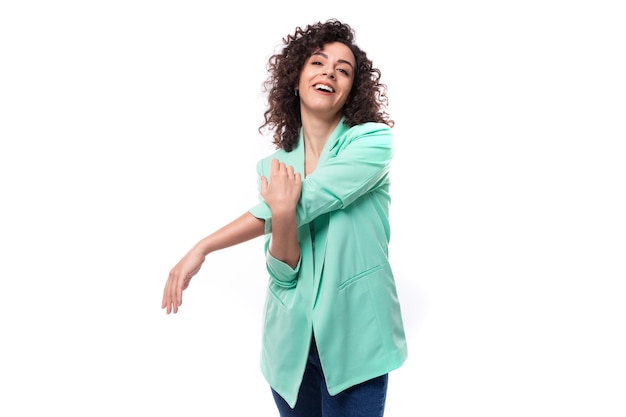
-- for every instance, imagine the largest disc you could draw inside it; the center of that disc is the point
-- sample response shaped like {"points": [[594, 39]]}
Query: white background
{"points": [[128, 132]]}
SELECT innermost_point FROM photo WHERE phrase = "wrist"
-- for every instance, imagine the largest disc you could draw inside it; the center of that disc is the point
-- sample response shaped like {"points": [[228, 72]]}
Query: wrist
{"points": [[283, 212], [202, 248]]}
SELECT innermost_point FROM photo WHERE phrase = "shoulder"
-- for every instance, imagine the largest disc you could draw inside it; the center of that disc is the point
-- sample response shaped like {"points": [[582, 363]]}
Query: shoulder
{"points": [[369, 128], [370, 131], [263, 164], [368, 134]]}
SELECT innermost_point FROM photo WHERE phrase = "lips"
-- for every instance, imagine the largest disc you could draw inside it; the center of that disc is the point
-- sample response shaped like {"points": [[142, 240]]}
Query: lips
{"points": [[323, 87]]}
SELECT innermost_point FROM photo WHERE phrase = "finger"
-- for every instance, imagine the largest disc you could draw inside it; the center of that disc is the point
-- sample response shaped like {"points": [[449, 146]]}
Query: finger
{"points": [[283, 167], [168, 307], [170, 298], [179, 293], [165, 303], [174, 293], [166, 297], [274, 166]]}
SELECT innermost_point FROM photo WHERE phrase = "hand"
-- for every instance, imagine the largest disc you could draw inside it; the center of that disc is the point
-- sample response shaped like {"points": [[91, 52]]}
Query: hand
{"points": [[282, 192], [179, 279]]}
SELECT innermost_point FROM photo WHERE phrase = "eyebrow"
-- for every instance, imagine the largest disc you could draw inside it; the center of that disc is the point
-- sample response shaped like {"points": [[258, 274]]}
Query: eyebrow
{"points": [[343, 61]]}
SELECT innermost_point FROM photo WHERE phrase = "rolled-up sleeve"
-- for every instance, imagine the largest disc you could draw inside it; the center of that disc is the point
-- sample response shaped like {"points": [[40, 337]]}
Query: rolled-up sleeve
{"points": [[262, 211], [281, 273]]}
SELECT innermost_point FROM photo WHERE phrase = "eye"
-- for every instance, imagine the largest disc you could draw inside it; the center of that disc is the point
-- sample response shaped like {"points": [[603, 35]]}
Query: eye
{"points": [[316, 63], [343, 71]]}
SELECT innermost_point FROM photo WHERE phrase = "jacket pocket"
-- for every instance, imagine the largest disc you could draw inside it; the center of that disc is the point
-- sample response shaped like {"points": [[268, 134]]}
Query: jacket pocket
{"points": [[358, 276]]}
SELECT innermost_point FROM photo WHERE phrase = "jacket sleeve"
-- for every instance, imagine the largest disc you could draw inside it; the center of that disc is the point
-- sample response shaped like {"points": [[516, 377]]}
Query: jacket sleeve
{"points": [[262, 209], [281, 273], [356, 165]]}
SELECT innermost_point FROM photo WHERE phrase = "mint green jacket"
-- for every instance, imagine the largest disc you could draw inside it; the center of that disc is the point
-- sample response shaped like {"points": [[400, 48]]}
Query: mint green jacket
{"points": [[343, 289]]}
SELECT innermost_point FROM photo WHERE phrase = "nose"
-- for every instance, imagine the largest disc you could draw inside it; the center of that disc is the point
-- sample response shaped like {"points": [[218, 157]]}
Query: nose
{"points": [[330, 74]]}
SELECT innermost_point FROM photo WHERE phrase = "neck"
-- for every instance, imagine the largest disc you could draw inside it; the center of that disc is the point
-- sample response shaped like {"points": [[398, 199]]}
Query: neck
{"points": [[316, 132]]}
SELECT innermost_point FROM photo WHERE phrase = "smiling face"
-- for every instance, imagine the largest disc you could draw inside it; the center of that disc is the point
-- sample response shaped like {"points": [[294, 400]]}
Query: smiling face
{"points": [[326, 80]]}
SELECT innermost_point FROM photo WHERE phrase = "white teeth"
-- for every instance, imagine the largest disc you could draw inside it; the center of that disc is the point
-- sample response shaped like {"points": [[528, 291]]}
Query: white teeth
{"points": [[323, 87]]}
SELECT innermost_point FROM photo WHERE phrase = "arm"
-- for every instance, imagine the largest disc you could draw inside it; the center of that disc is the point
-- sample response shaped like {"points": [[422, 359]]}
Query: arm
{"points": [[360, 164], [357, 165], [240, 230], [282, 193]]}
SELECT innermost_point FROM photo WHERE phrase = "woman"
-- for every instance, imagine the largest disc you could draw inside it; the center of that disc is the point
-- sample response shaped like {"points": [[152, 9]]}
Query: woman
{"points": [[332, 328]]}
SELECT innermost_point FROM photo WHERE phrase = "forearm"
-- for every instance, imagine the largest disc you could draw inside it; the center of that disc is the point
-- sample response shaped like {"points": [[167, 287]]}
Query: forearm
{"points": [[284, 241], [242, 229]]}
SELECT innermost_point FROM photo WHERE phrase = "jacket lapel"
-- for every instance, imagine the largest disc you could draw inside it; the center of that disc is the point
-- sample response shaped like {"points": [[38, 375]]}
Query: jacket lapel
{"points": [[333, 141]]}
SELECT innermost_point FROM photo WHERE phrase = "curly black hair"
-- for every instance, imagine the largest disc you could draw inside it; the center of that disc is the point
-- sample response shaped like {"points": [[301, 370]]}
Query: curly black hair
{"points": [[367, 101]]}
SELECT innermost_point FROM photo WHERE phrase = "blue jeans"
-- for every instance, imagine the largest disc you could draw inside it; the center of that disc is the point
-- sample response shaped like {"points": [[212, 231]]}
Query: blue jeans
{"points": [[363, 400]]}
